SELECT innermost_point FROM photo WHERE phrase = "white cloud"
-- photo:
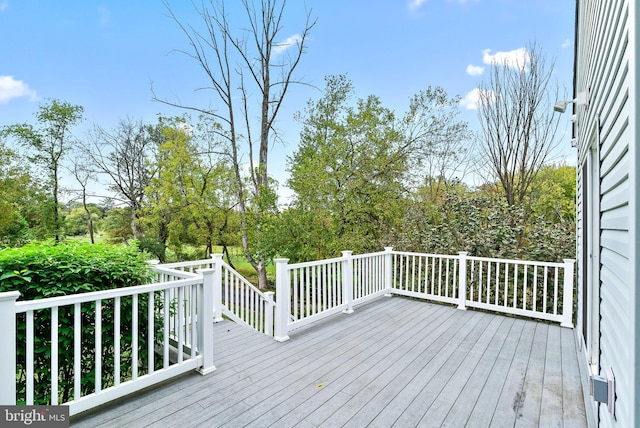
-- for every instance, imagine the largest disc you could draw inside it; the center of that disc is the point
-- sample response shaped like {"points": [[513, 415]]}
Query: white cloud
{"points": [[517, 58], [474, 70], [474, 98], [11, 88], [4, 5], [290, 41], [566, 43], [415, 4]]}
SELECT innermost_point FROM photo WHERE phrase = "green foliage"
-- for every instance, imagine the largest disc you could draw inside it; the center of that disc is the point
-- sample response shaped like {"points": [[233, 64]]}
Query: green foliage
{"points": [[117, 225], [346, 174], [262, 220], [485, 225], [47, 145], [553, 193], [76, 221], [43, 270], [191, 198], [154, 247], [18, 195]]}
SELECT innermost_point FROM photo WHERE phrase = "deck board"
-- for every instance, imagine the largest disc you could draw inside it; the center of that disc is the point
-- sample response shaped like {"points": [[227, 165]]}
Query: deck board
{"points": [[488, 397], [394, 361]]}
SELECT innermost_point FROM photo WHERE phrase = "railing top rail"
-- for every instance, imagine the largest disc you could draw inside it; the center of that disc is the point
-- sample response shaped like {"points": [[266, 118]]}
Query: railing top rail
{"points": [[314, 263], [174, 272], [484, 259], [50, 302], [515, 261], [368, 255], [186, 263], [442, 256]]}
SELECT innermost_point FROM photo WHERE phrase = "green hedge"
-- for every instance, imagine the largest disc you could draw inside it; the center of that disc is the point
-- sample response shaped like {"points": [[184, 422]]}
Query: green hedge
{"points": [[43, 270]]}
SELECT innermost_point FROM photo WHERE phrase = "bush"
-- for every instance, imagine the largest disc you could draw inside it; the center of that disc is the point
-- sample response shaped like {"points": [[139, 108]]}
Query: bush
{"points": [[42, 270]]}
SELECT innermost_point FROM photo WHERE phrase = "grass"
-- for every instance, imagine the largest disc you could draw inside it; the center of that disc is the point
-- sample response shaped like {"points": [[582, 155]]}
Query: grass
{"points": [[242, 265], [97, 238]]}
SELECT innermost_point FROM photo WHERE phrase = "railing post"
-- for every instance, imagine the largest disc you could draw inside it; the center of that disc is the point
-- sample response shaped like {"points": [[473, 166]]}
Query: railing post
{"points": [[462, 280], [217, 287], [388, 270], [268, 313], [347, 281], [8, 348], [567, 294], [205, 321], [283, 301]]}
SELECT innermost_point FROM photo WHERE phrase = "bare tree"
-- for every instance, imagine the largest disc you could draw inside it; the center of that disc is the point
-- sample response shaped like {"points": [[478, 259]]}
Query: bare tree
{"points": [[83, 174], [123, 154], [518, 126], [255, 67], [441, 146]]}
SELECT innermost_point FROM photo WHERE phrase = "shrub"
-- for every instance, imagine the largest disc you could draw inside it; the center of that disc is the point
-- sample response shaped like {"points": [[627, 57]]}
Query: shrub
{"points": [[42, 270]]}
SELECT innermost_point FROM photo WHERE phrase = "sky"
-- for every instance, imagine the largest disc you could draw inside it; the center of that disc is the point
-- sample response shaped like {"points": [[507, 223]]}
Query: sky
{"points": [[106, 55]]}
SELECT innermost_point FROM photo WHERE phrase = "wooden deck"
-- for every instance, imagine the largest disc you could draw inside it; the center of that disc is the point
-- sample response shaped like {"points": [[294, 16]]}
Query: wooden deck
{"points": [[394, 362]]}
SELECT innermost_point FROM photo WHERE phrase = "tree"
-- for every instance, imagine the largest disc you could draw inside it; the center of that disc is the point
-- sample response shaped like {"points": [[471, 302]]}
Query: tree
{"points": [[255, 68], [517, 122], [16, 186], [553, 194], [441, 148], [193, 186], [358, 167], [82, 173], [47, 146], [125, 155], [76, 222], [347, 173]]}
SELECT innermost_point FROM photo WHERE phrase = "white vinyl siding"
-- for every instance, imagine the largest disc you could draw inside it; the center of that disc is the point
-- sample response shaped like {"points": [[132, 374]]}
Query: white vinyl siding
{"points": [[604, 67]]}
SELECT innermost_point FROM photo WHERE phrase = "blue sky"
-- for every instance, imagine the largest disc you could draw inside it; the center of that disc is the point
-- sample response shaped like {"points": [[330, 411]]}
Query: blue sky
{"points": [[104, 55]]}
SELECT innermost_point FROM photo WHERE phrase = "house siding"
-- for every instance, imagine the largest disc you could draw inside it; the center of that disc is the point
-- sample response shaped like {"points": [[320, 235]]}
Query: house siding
{"points": [[605, 66]]}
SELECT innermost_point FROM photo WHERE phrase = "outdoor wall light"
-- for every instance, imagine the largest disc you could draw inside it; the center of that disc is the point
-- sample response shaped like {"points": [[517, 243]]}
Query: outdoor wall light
{"points": [[581, 99], [561, 106]]}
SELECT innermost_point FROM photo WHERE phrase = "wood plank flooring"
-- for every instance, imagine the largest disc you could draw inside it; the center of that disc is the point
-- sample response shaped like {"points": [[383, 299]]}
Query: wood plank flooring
{"points": [[393, 362]]}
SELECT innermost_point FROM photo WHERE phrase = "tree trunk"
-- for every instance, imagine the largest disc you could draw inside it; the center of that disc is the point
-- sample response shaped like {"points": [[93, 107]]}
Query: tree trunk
{"points": [[263, 282], [225, 251], [134, 227], [56, 220], [89, 219]]}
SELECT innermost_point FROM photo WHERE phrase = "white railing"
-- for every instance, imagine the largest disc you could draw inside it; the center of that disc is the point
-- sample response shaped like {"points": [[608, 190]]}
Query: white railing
{"points": [[542, 290], [94, 347], [234, 296], [426, 276], [369, 276], [169, 323], [314, 290]]}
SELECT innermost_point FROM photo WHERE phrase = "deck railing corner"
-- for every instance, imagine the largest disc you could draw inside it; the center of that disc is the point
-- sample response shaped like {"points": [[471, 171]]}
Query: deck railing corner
{"points": [[462, 278], [283, 293], [567, 297], [205, 316], [269, 312], [217, 288], [347, 281], [388, 271]]}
